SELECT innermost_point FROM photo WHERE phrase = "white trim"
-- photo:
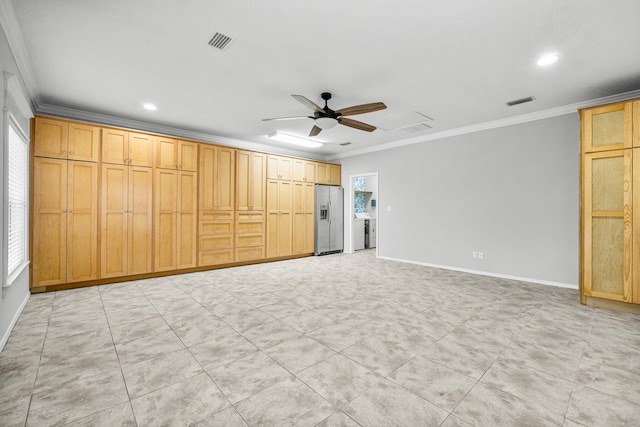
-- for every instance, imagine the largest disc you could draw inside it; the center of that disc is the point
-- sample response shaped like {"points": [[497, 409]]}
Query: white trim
{"points": [[14, 91], [105, 119], [13, 322], [509, 121], [485, 273], [9, 23]]}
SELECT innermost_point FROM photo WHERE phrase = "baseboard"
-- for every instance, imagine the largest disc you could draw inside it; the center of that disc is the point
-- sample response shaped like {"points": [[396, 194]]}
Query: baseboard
{"points": [[7, 333], [485, 273]]}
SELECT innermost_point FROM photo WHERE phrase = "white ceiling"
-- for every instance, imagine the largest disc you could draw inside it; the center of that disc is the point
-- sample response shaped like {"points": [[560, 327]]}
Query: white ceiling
{"points": [[456, 61]]}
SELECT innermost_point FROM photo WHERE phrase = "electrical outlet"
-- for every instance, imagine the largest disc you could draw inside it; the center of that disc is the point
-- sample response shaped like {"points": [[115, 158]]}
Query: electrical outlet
{"points": [[475, 254], [480, 255]]}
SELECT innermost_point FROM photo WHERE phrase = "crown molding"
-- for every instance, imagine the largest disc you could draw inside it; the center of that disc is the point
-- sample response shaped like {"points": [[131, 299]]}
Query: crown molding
{"points": [[14, 91], [12, 31], [510, 121], [105, 119]]}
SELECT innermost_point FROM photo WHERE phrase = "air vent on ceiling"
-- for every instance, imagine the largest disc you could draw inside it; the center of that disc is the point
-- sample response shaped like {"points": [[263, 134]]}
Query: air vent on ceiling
{"points": [[220, 41], [345, 144], [420, 127], [520, 101]]}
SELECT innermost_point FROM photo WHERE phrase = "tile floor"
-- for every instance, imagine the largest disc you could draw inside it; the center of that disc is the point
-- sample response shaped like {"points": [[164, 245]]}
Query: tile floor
{"points": [[340, 340]]}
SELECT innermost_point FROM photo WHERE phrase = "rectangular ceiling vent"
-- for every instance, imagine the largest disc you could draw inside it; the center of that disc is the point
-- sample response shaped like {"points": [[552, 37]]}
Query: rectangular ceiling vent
{"points": [[344, 144], [420, 127], [520, 101], [220, 41]]}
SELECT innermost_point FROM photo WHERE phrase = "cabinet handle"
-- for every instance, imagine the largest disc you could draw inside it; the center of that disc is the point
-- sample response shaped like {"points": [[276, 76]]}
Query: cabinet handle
{"points": [[175, 164], [180, 165], [126, 159], [64, 210], [70, 152], [130, 159], [69, 211], [64, 152]]}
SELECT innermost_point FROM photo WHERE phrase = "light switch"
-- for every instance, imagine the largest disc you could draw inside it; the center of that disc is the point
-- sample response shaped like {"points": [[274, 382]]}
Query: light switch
{"points": [[388, 208]]}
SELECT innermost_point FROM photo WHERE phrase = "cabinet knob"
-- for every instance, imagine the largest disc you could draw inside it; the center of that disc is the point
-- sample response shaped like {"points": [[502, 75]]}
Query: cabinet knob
{"points": [[64, 152], [70, 152], [69, 211], [130, 159], [180, 165], [64, 210], [126, 159]]}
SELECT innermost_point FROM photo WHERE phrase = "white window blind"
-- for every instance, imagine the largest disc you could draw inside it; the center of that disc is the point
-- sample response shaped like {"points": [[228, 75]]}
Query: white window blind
{"points": [[17, 200]]}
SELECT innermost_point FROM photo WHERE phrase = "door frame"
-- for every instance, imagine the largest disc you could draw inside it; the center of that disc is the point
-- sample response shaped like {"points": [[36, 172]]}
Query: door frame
{"points": [[350, 212]]}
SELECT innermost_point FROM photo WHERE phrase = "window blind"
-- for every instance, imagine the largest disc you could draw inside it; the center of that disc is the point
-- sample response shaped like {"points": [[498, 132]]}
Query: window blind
{"points": [[17, 201]]}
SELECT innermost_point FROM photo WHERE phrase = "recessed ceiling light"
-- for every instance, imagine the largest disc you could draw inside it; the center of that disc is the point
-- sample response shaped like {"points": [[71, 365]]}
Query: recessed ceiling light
{"points": [[548, 59], [149, 106], [291, 139]]}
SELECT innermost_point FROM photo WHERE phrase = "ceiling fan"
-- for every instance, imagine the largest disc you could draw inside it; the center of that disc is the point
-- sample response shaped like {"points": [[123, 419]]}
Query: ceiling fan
{"points": [[326, 118]]}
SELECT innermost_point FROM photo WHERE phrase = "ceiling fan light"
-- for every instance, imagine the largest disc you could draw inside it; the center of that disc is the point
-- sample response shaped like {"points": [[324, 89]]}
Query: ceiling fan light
{"points": [[325, 122]]}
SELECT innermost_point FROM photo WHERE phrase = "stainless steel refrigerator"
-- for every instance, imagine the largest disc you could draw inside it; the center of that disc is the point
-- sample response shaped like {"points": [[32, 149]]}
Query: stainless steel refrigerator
{"points": [[329, 216]]}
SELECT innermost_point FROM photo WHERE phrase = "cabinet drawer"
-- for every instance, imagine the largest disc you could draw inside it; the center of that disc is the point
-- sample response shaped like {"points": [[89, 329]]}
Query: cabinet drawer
{"points": [[247, 254], [216, 215], [216, 242], [215, 257], [215, 227], [249, 239], [254, 216], [249, 226]]}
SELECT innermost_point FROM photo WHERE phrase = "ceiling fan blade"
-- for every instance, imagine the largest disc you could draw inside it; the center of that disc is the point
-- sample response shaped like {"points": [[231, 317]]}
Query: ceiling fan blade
{"points": [[307, 102], [314, 130], [361, 109], [288, 118], [356, 124]]}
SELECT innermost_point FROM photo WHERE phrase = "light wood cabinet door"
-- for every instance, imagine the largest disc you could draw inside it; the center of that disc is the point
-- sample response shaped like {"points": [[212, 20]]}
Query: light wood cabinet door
{"points": [[279, 167], [327, 173], [303, 218], [176, 154], [64, 140], [635, 292], [165, 218], [166, 153], [140, 149], [304, 170], [49, 222], [82, 221], [51, 138], [607, 222], [114, 241], [187, 219], [250, 181], [607, 127], [140, 220], [217, 178], [279, 218], [115, 146], [84, 142]]}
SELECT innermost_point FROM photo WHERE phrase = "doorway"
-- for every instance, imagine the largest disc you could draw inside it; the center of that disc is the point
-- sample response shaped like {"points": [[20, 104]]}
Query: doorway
{"points": [[362, 200]]}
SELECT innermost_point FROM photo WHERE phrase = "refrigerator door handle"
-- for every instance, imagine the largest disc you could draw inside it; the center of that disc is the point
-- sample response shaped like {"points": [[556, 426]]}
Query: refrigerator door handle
{"points": [[330, 211]]}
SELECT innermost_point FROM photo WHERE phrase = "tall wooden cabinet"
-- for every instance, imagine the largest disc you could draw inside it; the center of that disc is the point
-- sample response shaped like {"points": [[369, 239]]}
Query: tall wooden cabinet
{"points": [[216, 175], [127, 218], [175, 221], [610, 203], [303, 218], [279, 218], [251, 174], [65, 224]]}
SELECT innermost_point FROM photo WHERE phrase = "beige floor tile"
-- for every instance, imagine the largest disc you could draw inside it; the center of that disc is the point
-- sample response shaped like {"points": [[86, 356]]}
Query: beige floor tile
{"points": [[247, 376], [436, 383], [159, 372], [338, 419], [307, 321], [387, 404], [339, 379], [287, 403], [185, 403], [270, 334], [13, 413], [148, 347], [139, 329], [594, 408], [60, 348], [119, 415], [378, 355], [222, 351], [227, 418], [299, 353]]}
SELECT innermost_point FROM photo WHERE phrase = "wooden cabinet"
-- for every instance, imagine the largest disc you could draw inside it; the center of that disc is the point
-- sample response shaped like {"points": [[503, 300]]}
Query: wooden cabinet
{"points": [[279, 167], [610, 186], [127, 236], [328, 173], [217, 178], [250, 236], [250, 180], [66, 140], [303, 218], [176, 154], [279, 218], [127, 148], [304, 170], [65, 221], [175, 220], [216, 175]]}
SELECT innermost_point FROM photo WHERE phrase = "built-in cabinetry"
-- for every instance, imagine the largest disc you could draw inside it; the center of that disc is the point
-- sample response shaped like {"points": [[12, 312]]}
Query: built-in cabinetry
{"points": [[610, 204], [109, 204]]}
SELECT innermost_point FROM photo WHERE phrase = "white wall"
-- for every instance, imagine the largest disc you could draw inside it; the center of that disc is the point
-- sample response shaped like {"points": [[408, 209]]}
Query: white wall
{"points": [[511, 193], [14, 297]]}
